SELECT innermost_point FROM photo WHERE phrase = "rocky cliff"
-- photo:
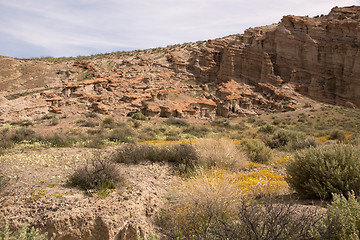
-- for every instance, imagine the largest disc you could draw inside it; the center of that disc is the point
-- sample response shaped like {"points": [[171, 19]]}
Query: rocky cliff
{"points": [[263, 69], [319, 56]]}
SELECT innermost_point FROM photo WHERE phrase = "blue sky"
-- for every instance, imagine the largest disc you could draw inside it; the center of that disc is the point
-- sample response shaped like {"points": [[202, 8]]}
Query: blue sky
{"points": [[56, 28]]}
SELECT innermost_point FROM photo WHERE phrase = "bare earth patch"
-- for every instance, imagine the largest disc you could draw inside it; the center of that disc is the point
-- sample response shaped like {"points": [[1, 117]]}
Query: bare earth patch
{"points": [[38, 194]]}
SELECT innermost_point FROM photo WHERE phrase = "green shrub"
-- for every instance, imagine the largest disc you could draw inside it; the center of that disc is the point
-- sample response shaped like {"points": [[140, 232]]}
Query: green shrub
{"points": [[344, 215], [324, 170], [139, 116], [176, 121], [121, 134], [59, 140], [182, 156], [24, 233], [257, 150], [22, 134], [267, 128], [337, 135], [23, 123], [290, 140], [197, 131], [89, 123], [99, 173], [108, 123]]}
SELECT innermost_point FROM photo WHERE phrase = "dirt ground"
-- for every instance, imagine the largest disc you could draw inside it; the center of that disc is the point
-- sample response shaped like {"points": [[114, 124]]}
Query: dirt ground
{"points": [[37, 193]]}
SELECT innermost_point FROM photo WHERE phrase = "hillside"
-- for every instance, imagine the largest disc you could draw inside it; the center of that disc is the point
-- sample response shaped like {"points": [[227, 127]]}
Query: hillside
{"points": [[260, 70]]}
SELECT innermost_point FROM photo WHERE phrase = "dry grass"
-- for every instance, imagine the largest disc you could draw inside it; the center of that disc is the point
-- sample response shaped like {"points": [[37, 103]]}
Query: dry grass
{"points": [[199, 205], [221, 153]]}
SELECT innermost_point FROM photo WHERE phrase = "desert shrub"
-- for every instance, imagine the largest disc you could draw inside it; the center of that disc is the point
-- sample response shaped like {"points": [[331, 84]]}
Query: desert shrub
{"points": [[94, 142], [23, 123], [267, 128], [54, 122], [121, 134], [139, 116], [270, 218], [301, 143], [257, 150], [197, 131], [183, 156], [134, 153], [92, 115], [4, 180], [98, 173], [290, 140], [221, 153], [344, 215], [108, 123], [198, 207], [48, 116], [176, 121], [214, 208], [89, 123], [337, 135], [59, 140], [22, 134], [24, 233], [221, 123], [323, 170]]}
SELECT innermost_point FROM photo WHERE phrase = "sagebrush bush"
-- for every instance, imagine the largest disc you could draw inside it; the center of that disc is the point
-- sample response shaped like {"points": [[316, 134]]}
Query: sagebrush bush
{"points": [[24, 233], [221, 153], [99, 173], [139, 116], [290, 140], [176, 121], [121, 134], [267, 128], [197, 131], [337, 135], [321, 171], [183, 156], [257, 150], [343, 214], [108, 123]]}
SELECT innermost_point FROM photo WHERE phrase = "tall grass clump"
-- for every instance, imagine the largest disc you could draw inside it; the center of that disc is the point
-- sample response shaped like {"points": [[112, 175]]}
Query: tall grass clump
{"points": [[198, 208], [318, 172], [220, 153], [257, 150]]}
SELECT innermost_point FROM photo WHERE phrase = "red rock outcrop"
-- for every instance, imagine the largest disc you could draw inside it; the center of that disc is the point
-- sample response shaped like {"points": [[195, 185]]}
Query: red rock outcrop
{"points": [[319, 55]]}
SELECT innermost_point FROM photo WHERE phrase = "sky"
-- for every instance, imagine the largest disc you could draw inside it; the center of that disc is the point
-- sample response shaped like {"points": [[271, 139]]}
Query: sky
{"points": [[56, 28]]}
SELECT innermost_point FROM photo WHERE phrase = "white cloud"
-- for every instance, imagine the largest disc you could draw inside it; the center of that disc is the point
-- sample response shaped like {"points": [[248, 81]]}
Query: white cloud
{"points": [[68, 27]]}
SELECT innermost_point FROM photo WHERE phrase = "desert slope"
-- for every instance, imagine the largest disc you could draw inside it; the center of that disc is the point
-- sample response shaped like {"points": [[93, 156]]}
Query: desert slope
{"points": [[260, 70]]}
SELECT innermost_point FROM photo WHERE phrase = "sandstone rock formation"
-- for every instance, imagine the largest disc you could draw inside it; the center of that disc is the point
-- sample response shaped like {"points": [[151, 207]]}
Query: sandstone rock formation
{"points": [[319, 56], [257, 71]]}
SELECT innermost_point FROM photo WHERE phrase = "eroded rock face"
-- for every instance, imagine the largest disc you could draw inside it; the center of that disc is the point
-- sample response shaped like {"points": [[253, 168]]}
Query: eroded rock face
{"points": [[318, 55], [260, 70]]}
